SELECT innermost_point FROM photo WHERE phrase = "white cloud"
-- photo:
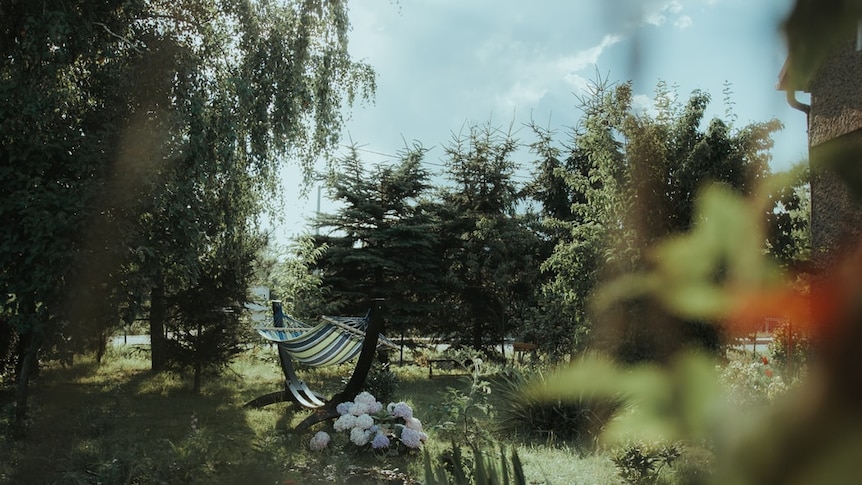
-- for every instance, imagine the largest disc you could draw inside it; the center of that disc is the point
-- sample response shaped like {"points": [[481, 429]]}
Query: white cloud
{"points": [[535, 75], [645, 104], [587, 57], [655, 18], [683, 22], [523, 94], [658, 14]]}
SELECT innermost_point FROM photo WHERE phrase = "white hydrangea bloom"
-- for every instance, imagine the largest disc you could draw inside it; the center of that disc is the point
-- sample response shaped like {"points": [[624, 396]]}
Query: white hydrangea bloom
{"points": [[345, 422], [413, 423], [365, 397], [411, 438], [364, 421], [402, 410], [359, 436], [358, 408]]}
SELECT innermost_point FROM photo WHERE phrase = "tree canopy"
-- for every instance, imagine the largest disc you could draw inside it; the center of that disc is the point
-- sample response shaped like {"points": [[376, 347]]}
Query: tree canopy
{"points": [[140, 141], [524, 260]]}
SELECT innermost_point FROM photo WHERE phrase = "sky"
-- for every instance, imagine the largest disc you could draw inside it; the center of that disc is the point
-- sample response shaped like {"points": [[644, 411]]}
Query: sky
{"points": [[445, 64]]}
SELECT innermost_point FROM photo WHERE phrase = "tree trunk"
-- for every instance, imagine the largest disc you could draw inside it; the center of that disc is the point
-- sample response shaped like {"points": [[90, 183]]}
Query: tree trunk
{"points": [[6, 337], [158, 344], [28, 349], [103, 346], [196, 387]]}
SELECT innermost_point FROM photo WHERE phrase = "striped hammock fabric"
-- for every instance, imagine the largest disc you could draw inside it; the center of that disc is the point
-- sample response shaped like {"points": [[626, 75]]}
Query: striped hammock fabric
{"points": [[333, 341]]}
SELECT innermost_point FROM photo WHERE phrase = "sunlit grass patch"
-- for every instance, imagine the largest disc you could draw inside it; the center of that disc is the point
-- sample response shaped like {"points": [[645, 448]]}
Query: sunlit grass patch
{"points": [[560, 465]]}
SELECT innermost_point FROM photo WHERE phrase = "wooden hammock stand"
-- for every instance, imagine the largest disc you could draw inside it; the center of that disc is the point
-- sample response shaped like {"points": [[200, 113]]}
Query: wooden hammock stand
{"points": [[297, 392]]}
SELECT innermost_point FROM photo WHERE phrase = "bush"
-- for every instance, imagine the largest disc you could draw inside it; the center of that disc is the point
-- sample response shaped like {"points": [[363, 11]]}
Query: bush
{"points": [[579, 421], [696, 466], [382, 382], [789, 351], [750, 381], [642, 463]]}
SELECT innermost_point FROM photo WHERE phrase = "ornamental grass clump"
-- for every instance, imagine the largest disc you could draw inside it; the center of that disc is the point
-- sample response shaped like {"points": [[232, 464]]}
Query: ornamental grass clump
{"points": [[578, 421], [368, 423]]}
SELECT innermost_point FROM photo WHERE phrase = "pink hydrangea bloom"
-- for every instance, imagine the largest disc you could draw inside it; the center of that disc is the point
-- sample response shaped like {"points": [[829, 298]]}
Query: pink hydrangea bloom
{"points": [[319, 441], [413, 423]]}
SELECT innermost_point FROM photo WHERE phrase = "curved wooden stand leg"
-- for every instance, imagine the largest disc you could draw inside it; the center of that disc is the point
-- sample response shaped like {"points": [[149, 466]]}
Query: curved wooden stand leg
{"points": [[267, 399], [317, 416], [366, 358], [295, 390]]}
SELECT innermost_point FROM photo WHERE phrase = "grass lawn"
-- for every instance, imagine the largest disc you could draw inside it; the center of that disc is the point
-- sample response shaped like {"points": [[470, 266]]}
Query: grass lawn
{"points": [[118, 423]]}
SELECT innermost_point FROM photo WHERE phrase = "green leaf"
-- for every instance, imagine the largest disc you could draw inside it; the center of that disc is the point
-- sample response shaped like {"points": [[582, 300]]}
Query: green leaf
{"points": [[680, 401]]}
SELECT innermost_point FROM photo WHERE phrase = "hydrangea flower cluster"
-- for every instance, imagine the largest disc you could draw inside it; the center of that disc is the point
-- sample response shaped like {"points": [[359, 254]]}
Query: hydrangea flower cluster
{"points": [[367, 421]]}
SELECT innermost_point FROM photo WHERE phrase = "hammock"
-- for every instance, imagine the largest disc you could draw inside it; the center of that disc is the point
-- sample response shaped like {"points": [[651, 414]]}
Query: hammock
{"points": [[333, 341]]}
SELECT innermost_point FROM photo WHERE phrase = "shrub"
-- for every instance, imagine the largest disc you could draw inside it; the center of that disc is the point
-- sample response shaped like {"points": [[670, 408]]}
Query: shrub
{"points": [[789, 350], [579, 421], [751, 381], [696, 466], [382, 382], [370, 424], [642, 463]]}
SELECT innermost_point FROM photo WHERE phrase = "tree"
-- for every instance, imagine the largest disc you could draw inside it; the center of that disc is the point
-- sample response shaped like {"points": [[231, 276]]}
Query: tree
{"points": [[205, 325], [120, 120], [381, 242], [634, 178], [292, 279], [789, 238], [489, 250], [595, 172]]}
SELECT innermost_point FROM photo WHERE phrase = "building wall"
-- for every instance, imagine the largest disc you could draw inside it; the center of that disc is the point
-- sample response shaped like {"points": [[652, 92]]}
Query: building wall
{"points": [[836, 212], [835, 141], [836, 96]]}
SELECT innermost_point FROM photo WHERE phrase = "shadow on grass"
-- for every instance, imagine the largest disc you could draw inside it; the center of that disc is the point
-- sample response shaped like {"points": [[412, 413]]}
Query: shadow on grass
{"points": [[120, 423]]}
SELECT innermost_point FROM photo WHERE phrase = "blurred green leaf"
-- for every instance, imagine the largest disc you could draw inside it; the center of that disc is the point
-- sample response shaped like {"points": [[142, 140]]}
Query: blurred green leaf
{"points": [[681, 401], [697, 275]]}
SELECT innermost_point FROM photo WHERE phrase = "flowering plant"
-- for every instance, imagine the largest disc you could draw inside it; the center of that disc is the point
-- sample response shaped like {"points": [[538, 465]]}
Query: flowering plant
{"points": [[368, 422]]}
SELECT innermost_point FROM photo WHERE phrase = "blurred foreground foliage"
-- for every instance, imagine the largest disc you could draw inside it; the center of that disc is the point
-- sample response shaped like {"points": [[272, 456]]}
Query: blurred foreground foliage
{"points": [[717, 273]]}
